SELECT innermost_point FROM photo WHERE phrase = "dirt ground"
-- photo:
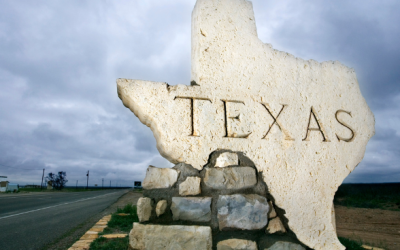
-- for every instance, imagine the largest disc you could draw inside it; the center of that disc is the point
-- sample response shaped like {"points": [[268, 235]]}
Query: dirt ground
{"points": [[374, 227]]}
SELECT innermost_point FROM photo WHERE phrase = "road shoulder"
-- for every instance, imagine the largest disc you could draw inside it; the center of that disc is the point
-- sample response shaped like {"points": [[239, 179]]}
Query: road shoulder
{"points": [[69, 238]]}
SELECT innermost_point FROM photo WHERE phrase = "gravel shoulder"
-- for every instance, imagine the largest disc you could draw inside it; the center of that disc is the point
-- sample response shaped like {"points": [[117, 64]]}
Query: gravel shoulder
{"points": [[72, 236], [374, 227]]}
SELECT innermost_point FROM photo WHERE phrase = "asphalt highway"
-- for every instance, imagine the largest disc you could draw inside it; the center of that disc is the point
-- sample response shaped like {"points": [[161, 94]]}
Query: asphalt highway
{"points": [[32, 220]]}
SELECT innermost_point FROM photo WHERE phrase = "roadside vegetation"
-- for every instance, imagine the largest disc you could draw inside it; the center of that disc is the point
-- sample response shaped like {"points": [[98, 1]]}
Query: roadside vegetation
{"points": [[121, 222], [110, 244], [358, 244], [351, 244], [383, 196]]}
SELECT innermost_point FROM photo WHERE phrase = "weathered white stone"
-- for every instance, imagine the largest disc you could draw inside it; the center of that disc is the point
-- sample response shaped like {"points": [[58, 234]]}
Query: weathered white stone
{"points": [[144, 208], [191, 186], [236, 244], [304, 124], [272, 212], [280, 245], [227, 159], [185, 170], [275, 226], [149, 237], [160, 208], [230, 177], [333, 216], [191, 208], [160, 177], [249, 212]]}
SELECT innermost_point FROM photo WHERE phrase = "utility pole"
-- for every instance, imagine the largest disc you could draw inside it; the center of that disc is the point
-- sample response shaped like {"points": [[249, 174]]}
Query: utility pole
{"points": [[41, 184], [110, 183], [87, 183], [76, 184], [102, 183]]}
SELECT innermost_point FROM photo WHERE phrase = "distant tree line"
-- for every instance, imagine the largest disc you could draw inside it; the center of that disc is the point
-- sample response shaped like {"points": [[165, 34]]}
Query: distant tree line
{"points": [[57, 181]]}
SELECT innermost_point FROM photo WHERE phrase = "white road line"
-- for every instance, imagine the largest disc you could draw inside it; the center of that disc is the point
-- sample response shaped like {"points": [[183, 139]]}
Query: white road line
{"points": [[5, 197], [8, 216], [33, 195], [25, 195]]}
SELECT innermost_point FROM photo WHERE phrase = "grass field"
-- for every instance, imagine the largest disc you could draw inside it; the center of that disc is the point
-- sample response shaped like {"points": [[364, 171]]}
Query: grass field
{"points": [[117, 224], [383, 196], [123, 224]]}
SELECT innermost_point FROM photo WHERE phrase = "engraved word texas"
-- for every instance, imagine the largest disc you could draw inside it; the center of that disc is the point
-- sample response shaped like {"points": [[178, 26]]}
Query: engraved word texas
{"points": [[275, 117]]}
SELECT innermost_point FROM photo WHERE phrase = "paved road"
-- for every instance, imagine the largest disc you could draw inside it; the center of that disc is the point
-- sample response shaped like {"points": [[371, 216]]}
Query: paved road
{"points": [[30, 221]]}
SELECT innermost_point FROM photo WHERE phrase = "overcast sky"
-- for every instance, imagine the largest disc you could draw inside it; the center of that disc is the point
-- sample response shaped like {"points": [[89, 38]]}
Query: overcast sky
{"points": [[59, 60]]}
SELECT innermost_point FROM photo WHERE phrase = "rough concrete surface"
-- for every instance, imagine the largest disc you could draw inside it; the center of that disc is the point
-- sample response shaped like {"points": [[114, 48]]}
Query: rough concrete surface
{"points": [[237, 244], [275, 226], [246, 212], [144, 237], [305, 124], [227, 159], [144, 208], [191, 186], [230, 177], [272, 212], [191, 208], [285, 246], [160, 178], [161, 207]]}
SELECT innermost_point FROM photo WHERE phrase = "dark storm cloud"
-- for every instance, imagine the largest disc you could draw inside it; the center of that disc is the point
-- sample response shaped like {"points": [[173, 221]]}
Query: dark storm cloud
{"points": [[59, 61], [362, 35]]}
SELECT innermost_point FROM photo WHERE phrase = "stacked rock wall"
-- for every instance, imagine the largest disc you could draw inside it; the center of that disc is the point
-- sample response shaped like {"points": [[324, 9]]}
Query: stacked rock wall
{"points": [[227, 201]]}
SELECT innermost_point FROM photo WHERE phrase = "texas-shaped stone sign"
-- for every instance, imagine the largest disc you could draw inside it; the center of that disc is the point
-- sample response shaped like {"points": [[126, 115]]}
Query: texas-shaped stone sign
{"points": [[304, 124]]}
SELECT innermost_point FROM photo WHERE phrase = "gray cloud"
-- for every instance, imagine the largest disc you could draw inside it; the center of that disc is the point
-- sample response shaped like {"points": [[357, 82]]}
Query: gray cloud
{"points": [[59, 61]]}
